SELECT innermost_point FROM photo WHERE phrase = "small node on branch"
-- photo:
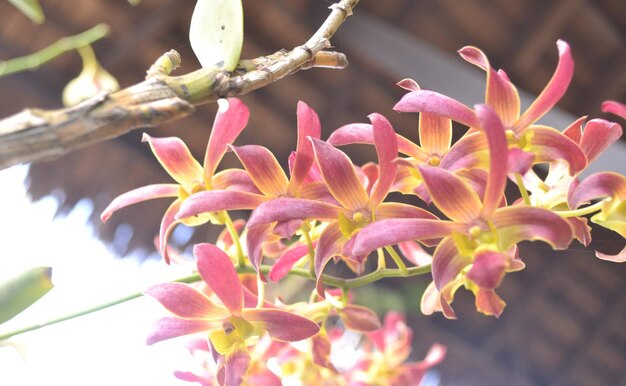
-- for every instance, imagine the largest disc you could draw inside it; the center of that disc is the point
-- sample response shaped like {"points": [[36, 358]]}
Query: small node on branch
{"points": [[165, 64]]}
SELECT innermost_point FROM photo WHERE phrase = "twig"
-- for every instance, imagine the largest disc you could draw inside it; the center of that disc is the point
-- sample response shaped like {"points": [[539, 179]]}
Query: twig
{"points": [[35, 135]]}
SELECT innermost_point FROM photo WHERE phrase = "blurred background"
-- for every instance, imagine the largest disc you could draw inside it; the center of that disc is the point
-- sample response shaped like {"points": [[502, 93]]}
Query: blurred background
{"points": [[564, 322]]}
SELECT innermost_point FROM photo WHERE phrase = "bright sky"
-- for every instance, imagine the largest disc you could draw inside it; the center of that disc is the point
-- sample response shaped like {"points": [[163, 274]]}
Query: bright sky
{"points": [[105, 348]]}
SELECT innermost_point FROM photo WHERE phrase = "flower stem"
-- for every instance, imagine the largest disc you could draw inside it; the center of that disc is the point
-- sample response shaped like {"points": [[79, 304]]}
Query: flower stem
{"points": [[344, 284], [241, 258], [309, 243], [397, 259], [522, 189], [580, 212]]}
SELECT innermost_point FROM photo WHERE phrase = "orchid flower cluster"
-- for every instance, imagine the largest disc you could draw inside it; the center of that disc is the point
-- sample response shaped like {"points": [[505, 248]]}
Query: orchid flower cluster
{"points": [[329, 209]]}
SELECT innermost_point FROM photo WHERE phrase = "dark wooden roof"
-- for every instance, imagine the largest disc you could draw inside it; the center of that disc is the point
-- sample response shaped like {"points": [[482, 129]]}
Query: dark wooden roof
{"points": [[565, 322]]}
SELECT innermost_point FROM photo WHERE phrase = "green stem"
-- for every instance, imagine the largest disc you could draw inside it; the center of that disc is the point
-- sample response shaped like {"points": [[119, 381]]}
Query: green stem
{"points": [[241, 258], [396, 258], [582, 211], [381, 259], [309, 243], [69, 43], [522, 189], [344, 284]]}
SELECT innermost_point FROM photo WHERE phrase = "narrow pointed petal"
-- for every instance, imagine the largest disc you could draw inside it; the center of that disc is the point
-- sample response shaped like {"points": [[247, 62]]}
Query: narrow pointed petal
{"points": [[618, 258], [283, 325], [435, 133], [287, 260], [329, 245], [168, 223], [597, 136], [433, 102], [414, 253], [520, 161], [285, 209], [614, 107], [176, 159], [264, 169], [255, 238], [220, 275], [575, 130], [598, 185], [232, 117], [515, 224], [501, 95], [320, 350], [498, 158], [171, 327], [430, 302], [394, 231], [308, 126], [451, 195], [489, 303], [408, 84], [364, 133], [141, 194], [234, 179], [340, 176], [186, 302], [553, 91], [488, 269], [387, 151], [317, 191], [390, 210], [359, 318], [550, 145], [218, 200], [447, 263], [469, 152]]}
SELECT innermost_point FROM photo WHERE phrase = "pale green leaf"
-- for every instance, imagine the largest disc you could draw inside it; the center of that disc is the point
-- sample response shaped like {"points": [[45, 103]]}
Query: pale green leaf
{"points": [[216, 33], [134, 3], [30, 8], [21, 291]]}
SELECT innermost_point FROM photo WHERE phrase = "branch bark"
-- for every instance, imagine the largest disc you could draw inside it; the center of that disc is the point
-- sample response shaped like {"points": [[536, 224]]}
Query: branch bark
{"points": [[35, 135]]}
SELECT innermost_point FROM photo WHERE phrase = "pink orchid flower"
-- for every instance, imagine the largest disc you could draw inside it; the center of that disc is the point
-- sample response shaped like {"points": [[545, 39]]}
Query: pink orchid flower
{"points": [[191, 177], [231, 326], [478, 242], [531, 143], [356, 206]]}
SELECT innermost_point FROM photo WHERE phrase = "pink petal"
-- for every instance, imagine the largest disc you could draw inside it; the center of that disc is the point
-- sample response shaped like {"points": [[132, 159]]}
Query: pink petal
{"points": [[359, 318], [575, 130], [236, 367], [285, 209], [218, 272], [515, 224], [450, 194], [553, 91], [171, 327], [408, 84], [186, 302], [264, 169], [329, 245], [230, 120], [255, 238], [287, 260], [469, 152], [501, 95], [597, 136], [614, 107], [217, 200], [619, 258], [488, 269], [176, 159], [134, 196], [498, 158], [390, 210], [550, 145], [364, 133], [435, 133], [282, 325], [394, 231], [415, 371], [599, 185], [340, 176], [308, 126], [320, 350], [168, 223], [520, 161], [234, 179], [433, 102], [387, 151], [414, 253], [489, 303], [447, 263]]}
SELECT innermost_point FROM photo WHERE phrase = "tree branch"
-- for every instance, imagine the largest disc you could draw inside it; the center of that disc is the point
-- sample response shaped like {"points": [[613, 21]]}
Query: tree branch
{"points": [[35, 135]]}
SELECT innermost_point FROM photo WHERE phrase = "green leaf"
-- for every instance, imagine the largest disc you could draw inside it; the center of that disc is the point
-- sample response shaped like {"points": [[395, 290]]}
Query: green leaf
{"points": [[21, 291], [134, 3], [30, 8], [216, 33]]}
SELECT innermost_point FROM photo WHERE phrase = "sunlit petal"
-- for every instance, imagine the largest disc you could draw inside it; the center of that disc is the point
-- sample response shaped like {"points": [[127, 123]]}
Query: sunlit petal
{"points": [[236, 367], [217, 200], [186, 302], [340, 175], [618, 258], [220, 275], [435, 133], [515, 224], [387, 151], [553, 91], [414, 253], [176, 159], [308, 126], [232, 117], [469, 152], [388, 210], [599, 185], [234, 179], [550, 145], [450, 194], [364, 133], [134, 196], [264, 169], [168, 223], [436, 103], [597, 136], [283, 325], [172, 327]]}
